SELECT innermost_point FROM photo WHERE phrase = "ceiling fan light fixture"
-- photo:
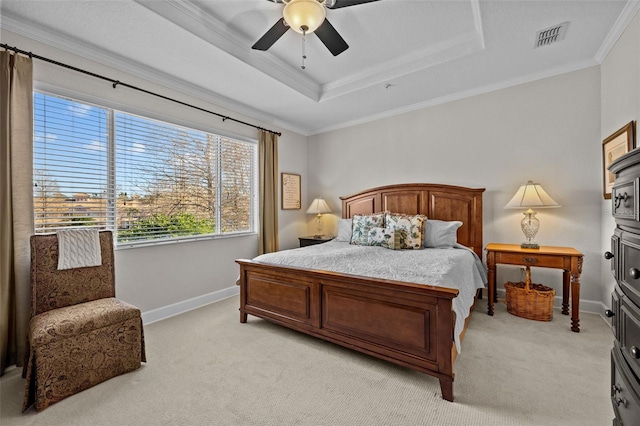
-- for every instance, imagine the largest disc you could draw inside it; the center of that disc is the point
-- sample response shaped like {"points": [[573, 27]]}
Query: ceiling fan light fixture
{"points": [[304, 16]]}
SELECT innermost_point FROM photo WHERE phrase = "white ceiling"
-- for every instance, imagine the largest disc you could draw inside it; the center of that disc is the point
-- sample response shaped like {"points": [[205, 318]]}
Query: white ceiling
{"points": [[403, 55]]}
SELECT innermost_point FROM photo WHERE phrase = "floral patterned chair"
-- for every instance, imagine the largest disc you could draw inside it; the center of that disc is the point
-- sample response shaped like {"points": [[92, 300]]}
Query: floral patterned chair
{"points": [[79, 334]]}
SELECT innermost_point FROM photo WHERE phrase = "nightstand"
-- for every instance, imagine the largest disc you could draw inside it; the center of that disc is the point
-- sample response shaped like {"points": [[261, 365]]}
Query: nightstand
{"points": [[566, 258], [311, 240]]}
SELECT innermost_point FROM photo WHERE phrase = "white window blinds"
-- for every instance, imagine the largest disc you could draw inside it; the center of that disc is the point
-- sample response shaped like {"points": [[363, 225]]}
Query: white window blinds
{"points": [[152, 180], [70, 164], [238, 178]]}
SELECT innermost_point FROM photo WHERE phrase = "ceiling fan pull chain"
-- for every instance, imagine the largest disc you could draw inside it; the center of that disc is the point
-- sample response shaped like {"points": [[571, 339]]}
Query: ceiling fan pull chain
{"points": [[304, 55]]}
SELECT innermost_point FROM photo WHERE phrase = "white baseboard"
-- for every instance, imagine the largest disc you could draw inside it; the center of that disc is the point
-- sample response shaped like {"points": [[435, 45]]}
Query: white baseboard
{"points": [[591, 306], [178, 308]]}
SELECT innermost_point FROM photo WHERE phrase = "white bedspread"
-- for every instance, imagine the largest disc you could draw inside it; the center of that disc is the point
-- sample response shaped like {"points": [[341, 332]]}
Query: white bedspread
{"points": [[458, 268]]}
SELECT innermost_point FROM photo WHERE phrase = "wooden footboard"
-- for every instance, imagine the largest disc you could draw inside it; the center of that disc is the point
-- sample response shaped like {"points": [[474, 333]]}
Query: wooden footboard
{"points": [[407, 324]]}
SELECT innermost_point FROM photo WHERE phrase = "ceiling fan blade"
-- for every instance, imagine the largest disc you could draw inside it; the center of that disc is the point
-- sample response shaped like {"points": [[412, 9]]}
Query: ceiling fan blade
{"points": [[271, 36], [330, 37], [337, 4]]}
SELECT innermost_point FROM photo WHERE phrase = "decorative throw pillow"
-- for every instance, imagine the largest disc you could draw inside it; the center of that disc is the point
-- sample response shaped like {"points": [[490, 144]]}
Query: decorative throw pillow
{"points": [[361, 224], [441, 234], [344, 230], [409, 227], [384, 237]]}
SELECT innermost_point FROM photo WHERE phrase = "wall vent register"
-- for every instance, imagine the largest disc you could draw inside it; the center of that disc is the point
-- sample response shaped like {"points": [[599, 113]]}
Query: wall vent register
{"points": [[551, 35]]}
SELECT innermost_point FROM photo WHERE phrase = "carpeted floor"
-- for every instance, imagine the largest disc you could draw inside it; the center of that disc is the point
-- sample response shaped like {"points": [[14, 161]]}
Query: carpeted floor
{"points": [[205, 368]]}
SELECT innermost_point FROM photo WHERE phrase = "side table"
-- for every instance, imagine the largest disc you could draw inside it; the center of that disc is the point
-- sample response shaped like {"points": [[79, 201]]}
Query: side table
{"points": [[313, 240], [566, 258]]}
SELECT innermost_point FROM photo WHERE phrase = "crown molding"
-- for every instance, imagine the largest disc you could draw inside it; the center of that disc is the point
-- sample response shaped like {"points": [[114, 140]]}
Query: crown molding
{"points": [[459, 95], [627, 14], [201, 23], [434, 54], [93, 53], [447, 50]]}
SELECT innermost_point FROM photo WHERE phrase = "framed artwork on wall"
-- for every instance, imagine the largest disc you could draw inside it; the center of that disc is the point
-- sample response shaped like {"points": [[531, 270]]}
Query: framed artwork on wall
{"points": [[290, 191], [613, 147]]}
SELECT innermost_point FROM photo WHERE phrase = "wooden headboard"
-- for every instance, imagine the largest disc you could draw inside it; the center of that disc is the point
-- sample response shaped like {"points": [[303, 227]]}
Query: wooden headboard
{"points": [[443, 202]]}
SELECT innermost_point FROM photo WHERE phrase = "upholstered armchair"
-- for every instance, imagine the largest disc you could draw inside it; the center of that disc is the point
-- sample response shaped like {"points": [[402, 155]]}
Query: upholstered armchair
{"points": [[79, 334]]}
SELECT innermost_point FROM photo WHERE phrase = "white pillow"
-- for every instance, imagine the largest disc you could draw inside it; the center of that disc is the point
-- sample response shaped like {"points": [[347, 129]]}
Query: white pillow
{"points": [[440, 233], [344, 230]]}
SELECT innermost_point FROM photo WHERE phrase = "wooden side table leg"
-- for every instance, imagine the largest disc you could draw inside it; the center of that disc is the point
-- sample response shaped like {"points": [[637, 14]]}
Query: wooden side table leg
{"points": [[491, 276], [566, 281], [576, 270], [575, 303]]}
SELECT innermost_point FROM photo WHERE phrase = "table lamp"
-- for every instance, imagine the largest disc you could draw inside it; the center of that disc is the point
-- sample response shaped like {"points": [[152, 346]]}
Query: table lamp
{"points": [[528, 196], [317, 207]]}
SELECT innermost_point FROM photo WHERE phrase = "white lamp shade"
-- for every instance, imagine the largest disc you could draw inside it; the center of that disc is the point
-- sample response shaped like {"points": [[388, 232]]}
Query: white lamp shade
{"points": [[531, 195], [318, 206], [304, 13]]}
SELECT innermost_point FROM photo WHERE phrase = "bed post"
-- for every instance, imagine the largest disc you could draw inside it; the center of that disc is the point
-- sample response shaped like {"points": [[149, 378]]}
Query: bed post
{"points": [[446, 387], [243, 294]]}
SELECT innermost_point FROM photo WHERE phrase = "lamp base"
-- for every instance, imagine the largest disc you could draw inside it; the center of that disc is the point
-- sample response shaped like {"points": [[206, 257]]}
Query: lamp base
{"points": [[318, 233], [529, 245], [530, 225]]}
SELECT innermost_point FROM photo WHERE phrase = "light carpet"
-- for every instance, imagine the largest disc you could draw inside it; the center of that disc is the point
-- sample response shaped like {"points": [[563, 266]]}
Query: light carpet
{"points": [[205, 368]]}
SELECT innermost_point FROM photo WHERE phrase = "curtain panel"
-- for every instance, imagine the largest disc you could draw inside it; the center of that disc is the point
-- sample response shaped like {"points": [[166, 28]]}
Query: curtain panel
{"points": [[16, 203], [268, 184]]}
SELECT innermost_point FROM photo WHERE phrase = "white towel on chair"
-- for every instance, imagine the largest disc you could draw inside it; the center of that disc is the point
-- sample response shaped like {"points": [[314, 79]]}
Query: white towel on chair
{"points": [[78, 248]]}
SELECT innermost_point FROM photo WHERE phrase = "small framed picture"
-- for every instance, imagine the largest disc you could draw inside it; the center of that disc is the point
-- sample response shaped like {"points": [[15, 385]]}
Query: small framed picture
{"points": [[613, 147], [290, 191]]}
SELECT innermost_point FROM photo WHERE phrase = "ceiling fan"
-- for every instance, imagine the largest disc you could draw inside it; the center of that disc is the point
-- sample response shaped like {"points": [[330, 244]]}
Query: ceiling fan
{"points": [[305, 17]]}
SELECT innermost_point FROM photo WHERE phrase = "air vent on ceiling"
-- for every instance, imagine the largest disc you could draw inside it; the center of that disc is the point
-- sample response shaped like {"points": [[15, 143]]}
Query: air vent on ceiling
{"points": [[551, 35]]}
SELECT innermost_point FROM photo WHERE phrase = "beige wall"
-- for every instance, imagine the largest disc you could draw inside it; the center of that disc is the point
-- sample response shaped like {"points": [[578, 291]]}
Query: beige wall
{"points": [[620, 104], [547, 131], [167, 279]]}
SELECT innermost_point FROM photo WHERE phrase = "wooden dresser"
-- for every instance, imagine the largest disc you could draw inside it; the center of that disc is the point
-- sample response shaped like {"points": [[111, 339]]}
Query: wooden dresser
{"points": [[625, 299]]}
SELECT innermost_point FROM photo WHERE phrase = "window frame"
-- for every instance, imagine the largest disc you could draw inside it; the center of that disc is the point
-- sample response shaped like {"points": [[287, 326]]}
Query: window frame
{"points": [[112, 109]]}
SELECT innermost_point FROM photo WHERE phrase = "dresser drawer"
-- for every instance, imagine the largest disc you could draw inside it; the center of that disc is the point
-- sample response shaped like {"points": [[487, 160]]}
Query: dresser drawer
{"points": [[629, 273], [624, 198], [629, 333], [615, 308], [625, 392], [614, 254], [533, 259]]}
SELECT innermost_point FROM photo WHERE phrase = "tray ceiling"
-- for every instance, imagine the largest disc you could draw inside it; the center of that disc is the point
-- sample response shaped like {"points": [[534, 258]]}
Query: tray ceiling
{"points": [[403, 54]]}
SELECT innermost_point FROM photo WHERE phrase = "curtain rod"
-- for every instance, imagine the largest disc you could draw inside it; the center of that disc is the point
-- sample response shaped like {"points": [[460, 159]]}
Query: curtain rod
{"points": [[116, 83]]}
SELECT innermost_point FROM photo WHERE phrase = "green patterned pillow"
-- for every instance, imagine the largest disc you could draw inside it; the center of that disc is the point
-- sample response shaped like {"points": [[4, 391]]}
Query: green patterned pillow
{"points": [[410, 229], [384, 237], [361, 224]]}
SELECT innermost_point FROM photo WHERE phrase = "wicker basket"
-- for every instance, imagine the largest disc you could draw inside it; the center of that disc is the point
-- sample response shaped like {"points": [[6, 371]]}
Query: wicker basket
{"points": [[532, 301]]}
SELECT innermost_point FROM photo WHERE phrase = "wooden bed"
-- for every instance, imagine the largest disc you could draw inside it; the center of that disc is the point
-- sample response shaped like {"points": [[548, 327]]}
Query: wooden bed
{"points": [[418, 327]]}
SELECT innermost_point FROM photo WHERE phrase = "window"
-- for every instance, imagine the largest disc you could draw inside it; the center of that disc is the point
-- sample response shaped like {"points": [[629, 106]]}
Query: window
{"points": [[142, 178]]}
